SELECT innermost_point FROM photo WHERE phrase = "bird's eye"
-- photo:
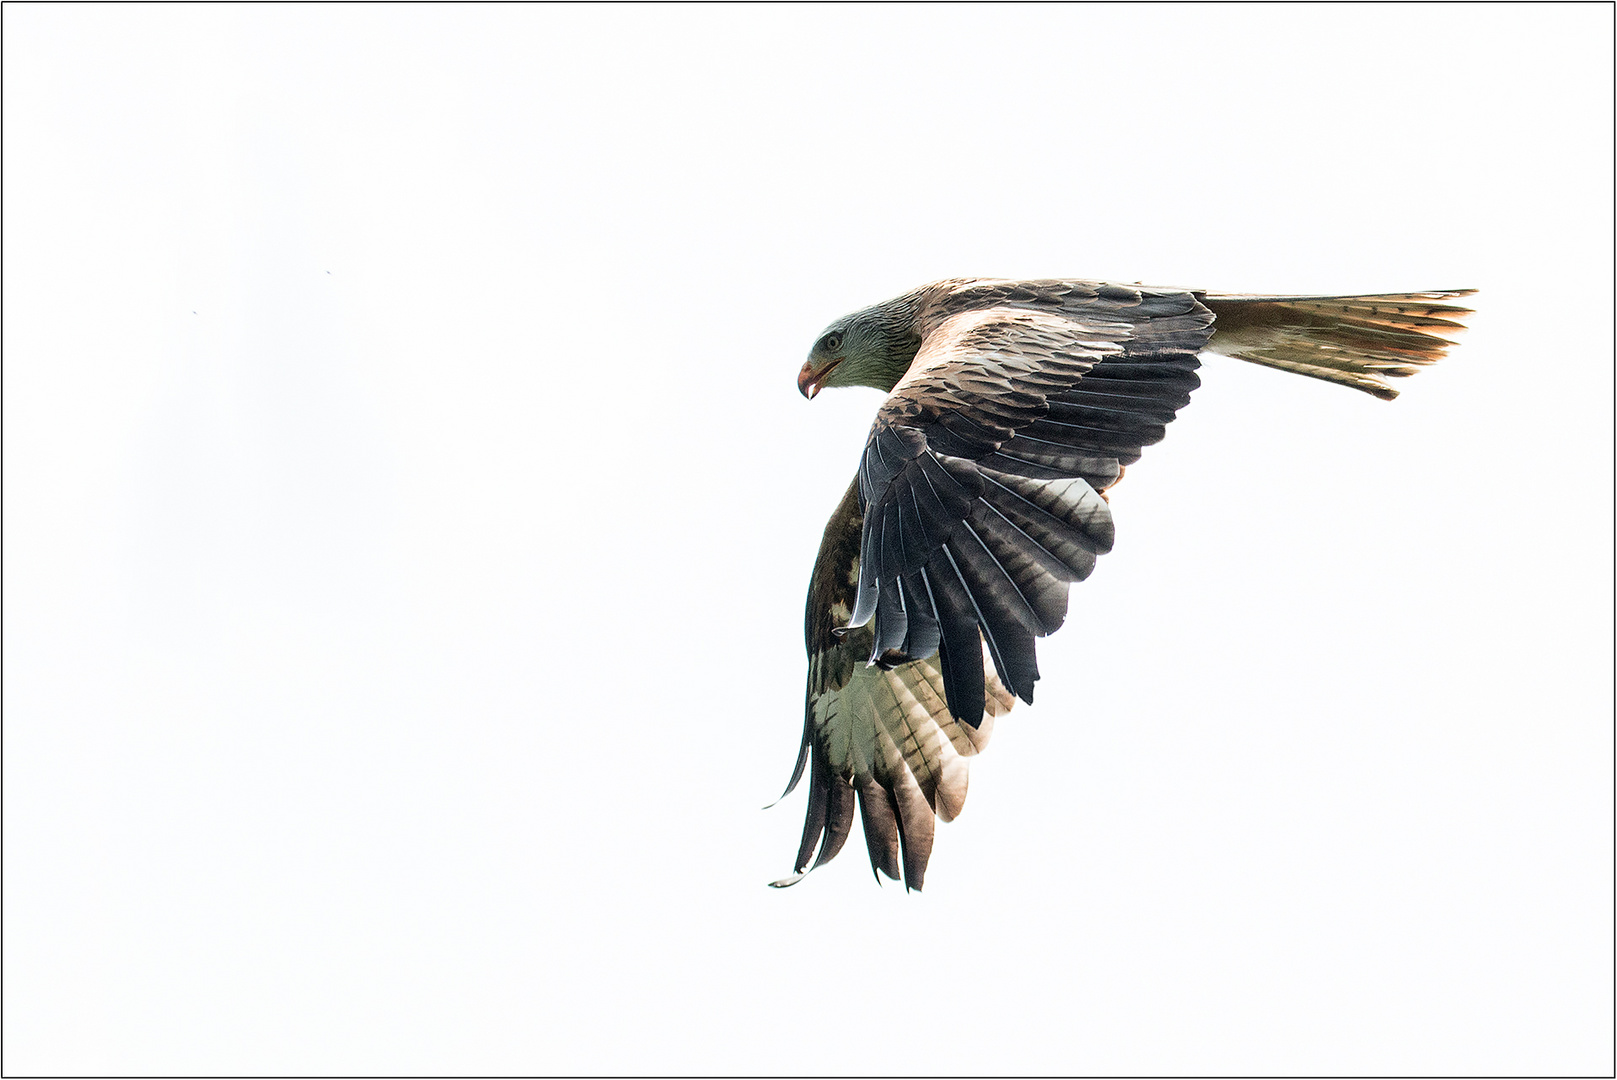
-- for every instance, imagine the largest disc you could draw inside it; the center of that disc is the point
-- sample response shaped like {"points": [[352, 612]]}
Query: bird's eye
{"points": [[831, 342]]}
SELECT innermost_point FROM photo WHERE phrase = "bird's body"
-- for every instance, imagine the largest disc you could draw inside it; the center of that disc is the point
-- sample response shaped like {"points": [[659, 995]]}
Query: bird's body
{"points": [[1012, 406]]}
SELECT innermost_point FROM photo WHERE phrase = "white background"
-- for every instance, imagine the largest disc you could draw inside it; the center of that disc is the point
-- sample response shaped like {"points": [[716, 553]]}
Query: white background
{"points": [[408, 509]]}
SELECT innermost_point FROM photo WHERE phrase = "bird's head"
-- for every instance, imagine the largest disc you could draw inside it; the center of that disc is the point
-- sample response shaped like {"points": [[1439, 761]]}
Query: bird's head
{"points": [[835, 357], [873, 347]]}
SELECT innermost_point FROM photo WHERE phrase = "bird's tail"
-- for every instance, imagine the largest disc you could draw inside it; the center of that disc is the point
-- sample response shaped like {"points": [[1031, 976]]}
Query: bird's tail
{"points": [[1358, 341]]}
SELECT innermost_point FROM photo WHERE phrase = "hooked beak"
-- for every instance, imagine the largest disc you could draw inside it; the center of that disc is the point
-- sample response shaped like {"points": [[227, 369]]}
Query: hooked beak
{"points": [[809, 380]]}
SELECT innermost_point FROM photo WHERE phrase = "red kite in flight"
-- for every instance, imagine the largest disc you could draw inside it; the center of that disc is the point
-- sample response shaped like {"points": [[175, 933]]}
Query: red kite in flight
{"points": [[1012, 406]]}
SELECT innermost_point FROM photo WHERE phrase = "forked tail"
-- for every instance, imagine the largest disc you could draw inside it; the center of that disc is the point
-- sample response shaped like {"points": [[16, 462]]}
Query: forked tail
{"points": [[1358, 341]]}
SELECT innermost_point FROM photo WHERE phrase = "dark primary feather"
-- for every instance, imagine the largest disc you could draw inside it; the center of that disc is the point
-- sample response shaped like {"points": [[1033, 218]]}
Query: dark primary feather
{"points": [[880, 816]]}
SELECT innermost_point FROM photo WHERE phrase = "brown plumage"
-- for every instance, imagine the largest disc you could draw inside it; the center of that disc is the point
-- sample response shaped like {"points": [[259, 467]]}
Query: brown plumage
{"points": [[1012, 406]]}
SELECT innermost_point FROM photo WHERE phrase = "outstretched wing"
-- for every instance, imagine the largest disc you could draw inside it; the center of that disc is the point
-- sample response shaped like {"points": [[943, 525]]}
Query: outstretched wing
{"points": [[879, 738], [980, 482]]}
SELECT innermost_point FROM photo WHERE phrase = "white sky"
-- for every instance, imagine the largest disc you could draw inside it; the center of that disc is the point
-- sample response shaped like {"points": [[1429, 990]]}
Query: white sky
{"points": [[408, 510]]}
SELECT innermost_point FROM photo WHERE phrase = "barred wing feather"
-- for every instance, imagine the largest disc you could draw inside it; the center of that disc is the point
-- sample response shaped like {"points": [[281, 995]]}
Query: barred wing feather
{"points": [[981, 478]]}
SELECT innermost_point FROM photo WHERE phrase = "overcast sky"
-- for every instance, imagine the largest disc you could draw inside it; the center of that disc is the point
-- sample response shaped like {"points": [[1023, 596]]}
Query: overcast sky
{"points": [[409, 507]]}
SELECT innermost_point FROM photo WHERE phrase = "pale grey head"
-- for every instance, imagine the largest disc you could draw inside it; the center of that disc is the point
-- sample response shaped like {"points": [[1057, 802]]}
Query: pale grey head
{"points": [[872, 347]]}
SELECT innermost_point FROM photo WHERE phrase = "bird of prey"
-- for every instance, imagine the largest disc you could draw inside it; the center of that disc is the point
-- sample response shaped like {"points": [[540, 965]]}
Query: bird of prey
{"points": [[1012, 406]]}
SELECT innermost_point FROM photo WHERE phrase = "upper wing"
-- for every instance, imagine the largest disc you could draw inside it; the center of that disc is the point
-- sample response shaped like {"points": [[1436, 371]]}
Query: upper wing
{"points": [[980, 479]]}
